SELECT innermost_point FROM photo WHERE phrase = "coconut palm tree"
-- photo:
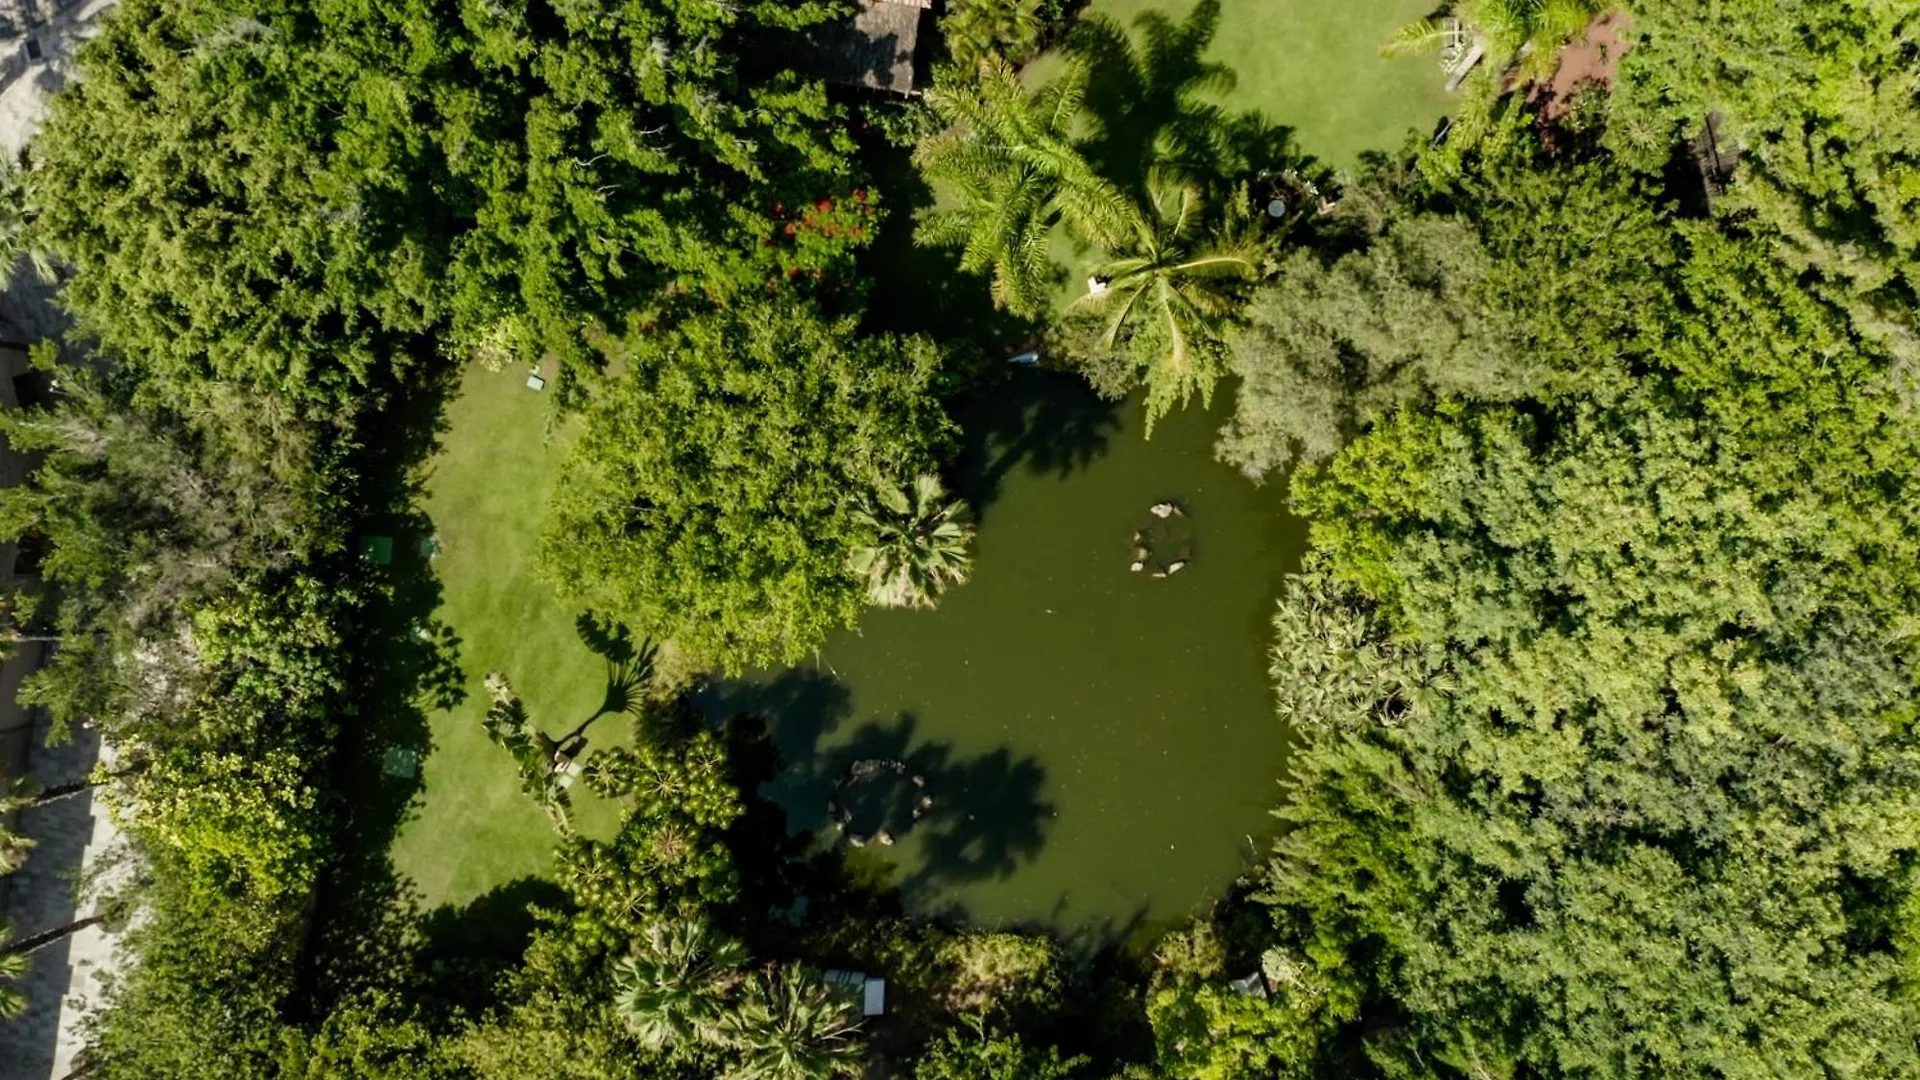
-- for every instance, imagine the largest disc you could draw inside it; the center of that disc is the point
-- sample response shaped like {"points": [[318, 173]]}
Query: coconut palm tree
{"points": [[1169, 291], [671, 991], [976, 29], [1007, 171], [919, 545], [791, 1028]]}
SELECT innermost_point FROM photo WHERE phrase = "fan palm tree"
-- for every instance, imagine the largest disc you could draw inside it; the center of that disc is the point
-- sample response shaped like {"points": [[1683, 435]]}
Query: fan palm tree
{"points": [[791, 1028], [1169, 292], [919, 545], [671, 991], [1007, 171], [976, 29]]}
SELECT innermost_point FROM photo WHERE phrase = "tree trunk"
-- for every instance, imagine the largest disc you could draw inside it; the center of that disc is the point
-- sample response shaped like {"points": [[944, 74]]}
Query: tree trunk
{"points": [[30, 945], [67, 791]]}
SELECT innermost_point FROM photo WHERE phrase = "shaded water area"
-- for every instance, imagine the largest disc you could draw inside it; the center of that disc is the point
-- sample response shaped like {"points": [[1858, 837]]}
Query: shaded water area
{"points": [[1064, 741]]}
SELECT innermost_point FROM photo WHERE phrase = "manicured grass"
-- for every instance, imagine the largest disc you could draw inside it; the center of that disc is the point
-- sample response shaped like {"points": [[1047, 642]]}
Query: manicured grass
{"points": [[1314, 66], [475, 829]]}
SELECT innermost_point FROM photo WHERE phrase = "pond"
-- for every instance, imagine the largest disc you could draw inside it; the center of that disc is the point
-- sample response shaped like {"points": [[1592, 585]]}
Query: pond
{"points": [[1064, 741]]}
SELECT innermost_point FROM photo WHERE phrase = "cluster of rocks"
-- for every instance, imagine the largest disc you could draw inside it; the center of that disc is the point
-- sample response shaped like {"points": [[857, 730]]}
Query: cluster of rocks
{"points": [[861, 772], [1143, 551]]}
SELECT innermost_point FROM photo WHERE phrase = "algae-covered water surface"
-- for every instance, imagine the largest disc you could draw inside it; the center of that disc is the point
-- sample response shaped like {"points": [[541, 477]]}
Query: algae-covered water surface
{"points": [[1065, 740]]}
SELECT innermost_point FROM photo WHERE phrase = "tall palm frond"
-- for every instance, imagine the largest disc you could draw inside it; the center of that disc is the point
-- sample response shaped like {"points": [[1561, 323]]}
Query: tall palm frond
{"points": [[1173, 289], [1007, 170], [671, 991], [976, 29], [919, 543], [791, 1028], [1416, 38]]}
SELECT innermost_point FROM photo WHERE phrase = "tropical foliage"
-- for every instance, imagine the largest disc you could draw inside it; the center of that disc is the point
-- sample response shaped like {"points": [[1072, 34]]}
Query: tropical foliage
{"points": [[1600, 672], [1165, 296], [707, 501], [790, 1027], [919, 543], [1825, 130], [1557, 623], [1009, 163], [977, 29], [672, 989]]}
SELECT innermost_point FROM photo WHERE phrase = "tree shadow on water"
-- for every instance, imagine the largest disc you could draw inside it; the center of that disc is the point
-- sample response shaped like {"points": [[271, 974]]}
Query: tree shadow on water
{"points": [[969, 818], [1046, 422]]}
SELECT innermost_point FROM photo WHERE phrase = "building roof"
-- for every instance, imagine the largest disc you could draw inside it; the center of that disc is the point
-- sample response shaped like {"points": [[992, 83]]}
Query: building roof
{"points": [[875, 48]]}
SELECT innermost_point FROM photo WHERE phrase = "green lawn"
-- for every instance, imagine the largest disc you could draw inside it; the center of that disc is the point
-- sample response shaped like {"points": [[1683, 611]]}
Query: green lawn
{"points": [[1314, 66], [475, 829]]}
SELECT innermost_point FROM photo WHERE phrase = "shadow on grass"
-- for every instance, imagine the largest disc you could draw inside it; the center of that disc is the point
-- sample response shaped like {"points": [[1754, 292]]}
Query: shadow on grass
{"points": [[404, 662], [1148, 110], [466, 947]]}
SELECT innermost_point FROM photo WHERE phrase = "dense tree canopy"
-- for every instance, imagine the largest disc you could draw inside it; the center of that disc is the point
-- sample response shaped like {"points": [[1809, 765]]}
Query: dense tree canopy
{"points": [[1609, 760], [288, 195], [711, 497], [1822, 100]]}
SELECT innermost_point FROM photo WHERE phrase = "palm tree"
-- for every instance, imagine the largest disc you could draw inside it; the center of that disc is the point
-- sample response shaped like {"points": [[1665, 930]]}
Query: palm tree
{"points": [[791, 1028], [1007, 171], [672, 990], [976, 29], [16, 212], [919, 545], [13, 968], [1169, 291], [1527, 32]]}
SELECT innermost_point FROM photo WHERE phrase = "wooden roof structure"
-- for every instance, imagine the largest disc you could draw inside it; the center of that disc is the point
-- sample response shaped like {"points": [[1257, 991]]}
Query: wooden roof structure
{"points": [[876, 48]]}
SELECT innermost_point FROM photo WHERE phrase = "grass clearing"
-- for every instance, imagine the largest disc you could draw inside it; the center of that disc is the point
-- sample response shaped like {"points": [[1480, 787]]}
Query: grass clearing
{"points": [[475, 829], [1313, 66]]}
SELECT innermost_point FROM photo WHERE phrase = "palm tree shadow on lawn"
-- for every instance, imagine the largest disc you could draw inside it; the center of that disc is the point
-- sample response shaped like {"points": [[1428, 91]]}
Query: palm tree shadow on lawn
{"points": [[1148, 105]]}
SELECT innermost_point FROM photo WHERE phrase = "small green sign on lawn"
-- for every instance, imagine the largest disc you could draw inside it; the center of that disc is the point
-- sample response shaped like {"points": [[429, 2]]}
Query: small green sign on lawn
{"points": [[401, 762], [377, 550]]}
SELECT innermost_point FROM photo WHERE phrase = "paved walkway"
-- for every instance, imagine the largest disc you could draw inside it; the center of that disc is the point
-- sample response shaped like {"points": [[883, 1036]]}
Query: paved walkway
{"points": [[73, 835]]}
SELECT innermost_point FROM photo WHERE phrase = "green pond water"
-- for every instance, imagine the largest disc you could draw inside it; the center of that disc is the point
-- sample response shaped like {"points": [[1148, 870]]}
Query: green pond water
{"points": [[1099, 746]]}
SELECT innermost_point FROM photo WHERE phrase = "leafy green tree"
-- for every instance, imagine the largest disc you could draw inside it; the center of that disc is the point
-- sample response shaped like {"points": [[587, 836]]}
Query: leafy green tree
{"points": [[972, 1050], [977, 29], [1603, 735], [1012, 172], [673, 988], [227, 183], [1526, 282], [1819, 98], [789, 1027], [707, 499], [13, 968], [919, 545], [284, 200], [1169, 293]]}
